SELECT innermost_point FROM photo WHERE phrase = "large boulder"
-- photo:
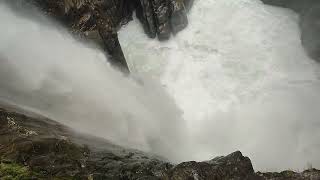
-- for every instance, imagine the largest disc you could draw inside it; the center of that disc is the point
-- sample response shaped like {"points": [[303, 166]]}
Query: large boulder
{"points": [[234, 166], [309, 11]]}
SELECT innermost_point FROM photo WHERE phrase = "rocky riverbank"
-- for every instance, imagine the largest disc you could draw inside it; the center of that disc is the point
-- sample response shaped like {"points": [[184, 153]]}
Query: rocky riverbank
{"points": [[34, 147]]}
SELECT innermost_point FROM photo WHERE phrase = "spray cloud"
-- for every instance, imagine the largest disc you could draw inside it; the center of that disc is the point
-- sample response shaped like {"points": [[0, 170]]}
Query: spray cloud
{"points": [[238, 73], [45, 70]]}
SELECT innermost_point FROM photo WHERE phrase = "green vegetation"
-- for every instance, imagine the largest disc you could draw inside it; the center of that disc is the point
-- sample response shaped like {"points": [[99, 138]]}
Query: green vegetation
{"points": [[12, 171]]}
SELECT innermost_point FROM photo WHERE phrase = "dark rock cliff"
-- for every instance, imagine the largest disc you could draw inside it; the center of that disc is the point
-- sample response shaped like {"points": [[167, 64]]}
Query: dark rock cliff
{"points": [[309, 11], [159, 18]]}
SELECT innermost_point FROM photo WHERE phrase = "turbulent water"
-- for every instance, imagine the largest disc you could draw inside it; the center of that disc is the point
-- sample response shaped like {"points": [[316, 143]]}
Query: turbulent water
{"points": [[242, 80], [45, 70], [238, 74]]}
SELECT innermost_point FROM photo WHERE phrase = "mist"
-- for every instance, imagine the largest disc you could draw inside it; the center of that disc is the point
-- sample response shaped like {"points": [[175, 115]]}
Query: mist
{"points": [[45, 70], [236, 79], [242, 79]]}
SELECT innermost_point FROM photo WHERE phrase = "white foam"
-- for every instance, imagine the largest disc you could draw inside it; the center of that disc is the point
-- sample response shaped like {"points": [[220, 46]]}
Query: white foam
{"points": [[44, 69], [240, 75]]}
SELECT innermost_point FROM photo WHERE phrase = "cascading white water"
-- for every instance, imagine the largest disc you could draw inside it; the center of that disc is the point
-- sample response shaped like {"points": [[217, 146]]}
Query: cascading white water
{"points": [[238, 73], [43, 69], [241, 77]]}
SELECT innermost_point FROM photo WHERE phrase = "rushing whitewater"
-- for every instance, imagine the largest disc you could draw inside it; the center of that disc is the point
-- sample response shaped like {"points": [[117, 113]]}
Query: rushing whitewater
{"points": [[43, 69], [242, 80], [238, 73]]}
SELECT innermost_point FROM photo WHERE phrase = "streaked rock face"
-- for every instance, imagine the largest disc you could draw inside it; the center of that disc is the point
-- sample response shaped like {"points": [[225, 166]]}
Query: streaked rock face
{"points": [[162, 17]]}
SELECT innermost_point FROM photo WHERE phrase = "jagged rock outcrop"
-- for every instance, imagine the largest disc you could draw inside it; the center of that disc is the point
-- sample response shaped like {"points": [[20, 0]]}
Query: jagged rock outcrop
{"points": [[309, 11], [34, 147], [89, 18], [234, 166]]}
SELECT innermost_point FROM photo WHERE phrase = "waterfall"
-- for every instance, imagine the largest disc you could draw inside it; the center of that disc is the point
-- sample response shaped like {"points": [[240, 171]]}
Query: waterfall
{"points": [[237, 78], [240, 76], [43, 69]]}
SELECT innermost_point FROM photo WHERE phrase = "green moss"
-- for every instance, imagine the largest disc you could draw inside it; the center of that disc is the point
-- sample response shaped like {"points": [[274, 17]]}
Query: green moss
{"points": [[14, 171], [63, 178]]}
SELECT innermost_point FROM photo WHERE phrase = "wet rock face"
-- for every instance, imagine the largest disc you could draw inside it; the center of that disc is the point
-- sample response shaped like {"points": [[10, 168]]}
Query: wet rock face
{"points": [[309, 11], [234, 166], [51, 150], [93, 19], [159, 18], [162, 17]]}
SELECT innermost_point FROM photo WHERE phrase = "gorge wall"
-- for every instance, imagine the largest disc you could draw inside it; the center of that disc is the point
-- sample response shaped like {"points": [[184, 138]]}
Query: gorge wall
{"points": [[309, 11]]}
